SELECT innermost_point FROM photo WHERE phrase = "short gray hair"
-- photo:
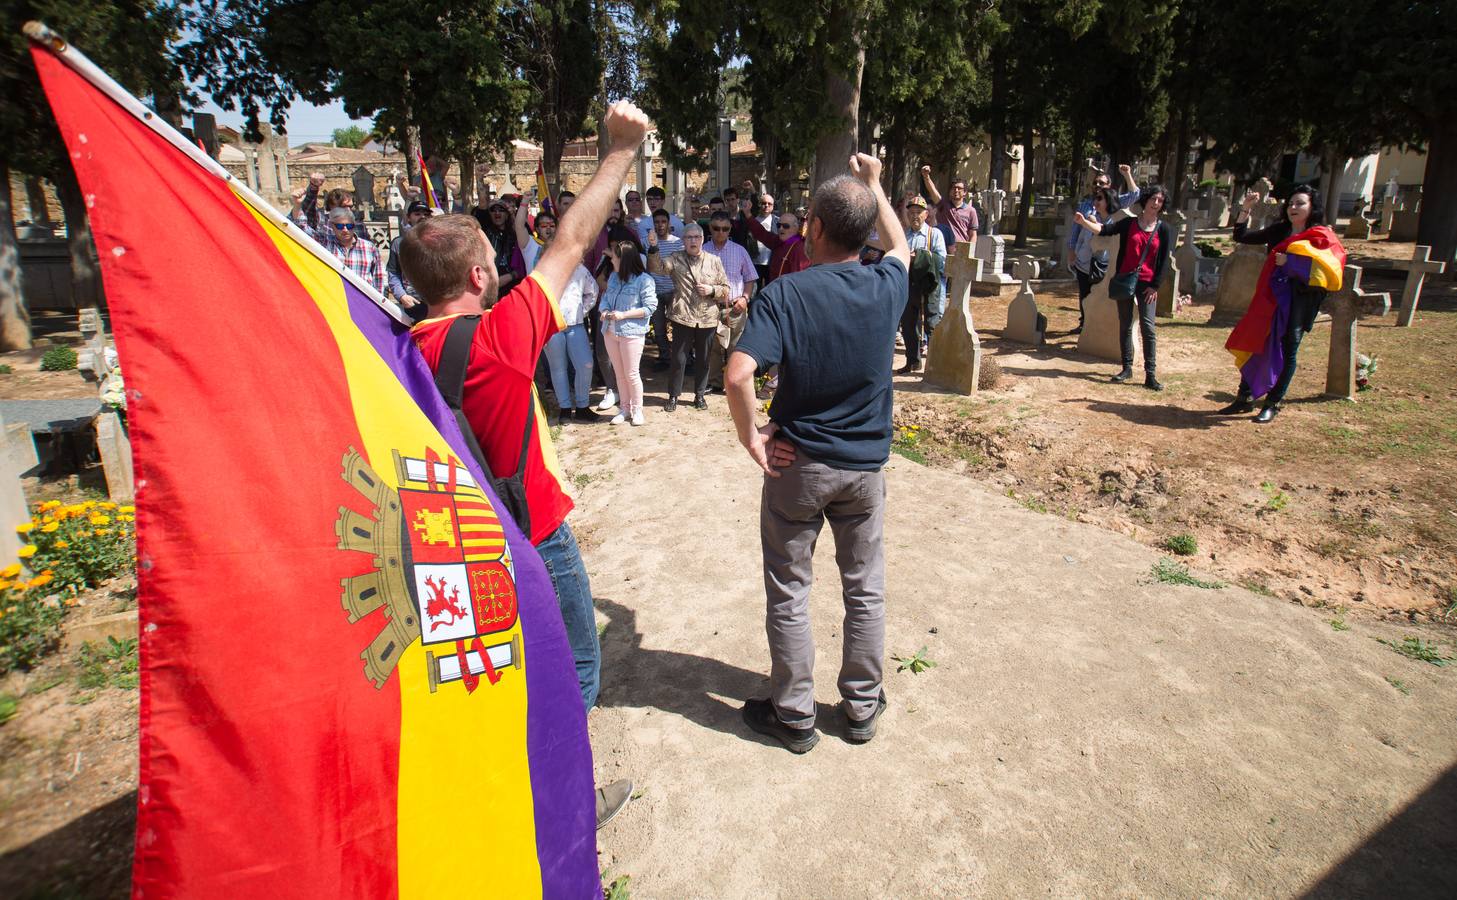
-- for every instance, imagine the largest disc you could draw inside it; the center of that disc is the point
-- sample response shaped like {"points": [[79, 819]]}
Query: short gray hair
{"points": [[341, 214], [693, 228], [847, 209]]}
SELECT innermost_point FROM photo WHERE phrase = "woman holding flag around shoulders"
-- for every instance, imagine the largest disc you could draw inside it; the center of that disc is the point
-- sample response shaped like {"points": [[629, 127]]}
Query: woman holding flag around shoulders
{"points": [[1305, 261]]}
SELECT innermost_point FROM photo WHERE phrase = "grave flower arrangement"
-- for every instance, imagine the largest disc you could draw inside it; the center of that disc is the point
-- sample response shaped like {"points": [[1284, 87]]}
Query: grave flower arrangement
{"points": [[1365, 368]]}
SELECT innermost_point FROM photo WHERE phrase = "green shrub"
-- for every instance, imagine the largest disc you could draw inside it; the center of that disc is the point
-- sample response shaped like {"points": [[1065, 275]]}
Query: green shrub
{"points": [[80, 545], [1181, 545], [5, 369], [30, 625], [58, 359]]}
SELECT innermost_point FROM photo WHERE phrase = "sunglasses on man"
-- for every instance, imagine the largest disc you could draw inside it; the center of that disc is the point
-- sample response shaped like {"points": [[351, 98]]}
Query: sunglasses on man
{"points": [[343, 226], [719, 230], [785, 226]]}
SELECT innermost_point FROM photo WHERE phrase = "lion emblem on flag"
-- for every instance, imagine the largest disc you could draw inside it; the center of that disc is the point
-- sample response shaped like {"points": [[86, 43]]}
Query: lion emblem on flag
{"points": [[442, 571]]}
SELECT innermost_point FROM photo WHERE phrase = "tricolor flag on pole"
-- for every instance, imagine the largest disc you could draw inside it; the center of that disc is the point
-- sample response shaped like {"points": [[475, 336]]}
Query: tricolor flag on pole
{"points": [[318, 716], [425, 182], [542, 191]]}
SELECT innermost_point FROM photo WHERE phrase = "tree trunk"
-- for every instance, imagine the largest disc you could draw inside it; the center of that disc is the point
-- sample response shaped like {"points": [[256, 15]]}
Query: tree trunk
{"points": [[467, 165], [14, 320], [1078, 169], [1438, 223], [998, 136], [412, 154], [1024, 209], [770, 177], [552, 147], [85, 272], [1330, 164], [842, 87], [35, 198], [1181, 157]]}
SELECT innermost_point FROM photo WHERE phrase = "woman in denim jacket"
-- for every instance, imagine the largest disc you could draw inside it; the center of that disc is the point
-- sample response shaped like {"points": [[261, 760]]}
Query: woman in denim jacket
{"points": [[628, 300]]}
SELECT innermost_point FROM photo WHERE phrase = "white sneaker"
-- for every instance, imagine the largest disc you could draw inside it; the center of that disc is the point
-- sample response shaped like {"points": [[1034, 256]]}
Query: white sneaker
{"points": [[619, 419], [637, 418], [609, 400]]}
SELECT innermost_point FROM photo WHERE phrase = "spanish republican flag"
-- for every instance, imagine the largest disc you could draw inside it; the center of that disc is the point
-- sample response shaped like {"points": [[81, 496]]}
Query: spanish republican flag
{"points": [[355, 681], [543, 192]]}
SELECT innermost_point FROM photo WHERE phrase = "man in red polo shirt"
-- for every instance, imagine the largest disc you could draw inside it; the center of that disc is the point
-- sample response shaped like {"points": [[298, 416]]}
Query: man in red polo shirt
{"points": [[451, 264]]}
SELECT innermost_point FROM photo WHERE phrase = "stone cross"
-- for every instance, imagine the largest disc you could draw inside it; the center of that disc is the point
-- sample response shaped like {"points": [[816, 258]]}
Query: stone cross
{"points": [[954, 360], [1168, 301], [1416, 274], [394, 200], [1345, 310], [93, 363], [994, 201], [1024, 323]]}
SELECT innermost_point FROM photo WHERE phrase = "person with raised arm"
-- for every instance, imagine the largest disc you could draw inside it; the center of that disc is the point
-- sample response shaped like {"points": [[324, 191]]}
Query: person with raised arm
{"points": [[831, 331], [491, 347]]}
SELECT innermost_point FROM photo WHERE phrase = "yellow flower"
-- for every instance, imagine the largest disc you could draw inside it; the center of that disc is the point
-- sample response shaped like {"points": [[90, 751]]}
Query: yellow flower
{"points": [[103, 531], [25, 527], [127, 509], [39, 581], [98, 519], [108, 505], [26, 552], [50, 527], [61, 545], [10, 571], [4, 585]]}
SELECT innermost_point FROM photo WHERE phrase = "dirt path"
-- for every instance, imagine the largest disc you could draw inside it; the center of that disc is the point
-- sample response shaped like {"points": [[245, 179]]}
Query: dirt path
{"points": [[1084, 733]]}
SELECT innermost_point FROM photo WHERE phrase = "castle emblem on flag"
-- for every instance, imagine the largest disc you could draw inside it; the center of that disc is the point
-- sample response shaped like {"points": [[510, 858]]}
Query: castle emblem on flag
{"points": [[442, 571]]}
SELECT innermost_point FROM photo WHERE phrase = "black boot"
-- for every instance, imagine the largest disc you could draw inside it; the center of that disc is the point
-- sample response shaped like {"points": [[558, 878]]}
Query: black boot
{"points": [[1123, 376], [1240, 406], [1267, 415], [1152, 383]]}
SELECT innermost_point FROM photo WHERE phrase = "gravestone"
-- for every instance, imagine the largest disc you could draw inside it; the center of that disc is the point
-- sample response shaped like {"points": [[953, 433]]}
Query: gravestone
{"points": [[363, 181], [17, 456], [1237, 280], [994, 201], [1187, 256], [1359, 228], [93, 362], [1416, 273], [1024, 323], [1407, 215], [1100, 312], [954, 360], [116, 456], [1069, 227], [1218, 211], [394, 200], [1345, 309], [1168, 301], [990, 249]]}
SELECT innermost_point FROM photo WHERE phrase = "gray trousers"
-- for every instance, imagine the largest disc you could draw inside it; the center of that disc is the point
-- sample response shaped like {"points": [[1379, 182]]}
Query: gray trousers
{"points": [[792, 510]]}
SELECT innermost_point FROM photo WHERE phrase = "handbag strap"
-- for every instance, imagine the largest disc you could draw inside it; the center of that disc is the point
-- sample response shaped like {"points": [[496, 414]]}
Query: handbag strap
{"points": [[1147, 246]]}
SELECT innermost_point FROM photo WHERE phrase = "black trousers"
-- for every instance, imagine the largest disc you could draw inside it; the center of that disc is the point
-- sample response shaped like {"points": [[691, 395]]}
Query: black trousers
{"points": [[1085, 287], [1146, 310], [685, 336], [912, 325]]}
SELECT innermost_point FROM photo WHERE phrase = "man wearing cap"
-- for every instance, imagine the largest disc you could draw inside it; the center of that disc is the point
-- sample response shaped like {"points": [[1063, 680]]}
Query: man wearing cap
{"points": [[400, 287], [923, 308]]}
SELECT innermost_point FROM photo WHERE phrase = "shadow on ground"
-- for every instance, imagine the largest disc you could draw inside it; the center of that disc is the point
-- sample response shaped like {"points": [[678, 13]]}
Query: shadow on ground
{"points": [[1414, 856], [683, 684], [88, 857]]}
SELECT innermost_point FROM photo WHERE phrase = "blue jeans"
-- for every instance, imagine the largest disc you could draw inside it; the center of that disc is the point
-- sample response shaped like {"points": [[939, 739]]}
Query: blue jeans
{"points": [[575, 343], [574, 595]]}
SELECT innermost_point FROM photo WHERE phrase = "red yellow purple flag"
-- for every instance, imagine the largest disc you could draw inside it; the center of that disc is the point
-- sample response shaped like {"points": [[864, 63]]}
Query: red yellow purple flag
{"points": [[338, 698], [543, 192], [430, 197]]}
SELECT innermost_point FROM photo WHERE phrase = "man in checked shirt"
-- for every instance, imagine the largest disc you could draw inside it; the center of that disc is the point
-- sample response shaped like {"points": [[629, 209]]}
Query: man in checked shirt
{"points": [[340, 237]]}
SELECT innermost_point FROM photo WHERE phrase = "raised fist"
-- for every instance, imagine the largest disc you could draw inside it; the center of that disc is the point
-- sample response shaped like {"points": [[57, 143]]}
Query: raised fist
{"points": [[926, 171], [316, 180], [866, 168], [626, 125]]}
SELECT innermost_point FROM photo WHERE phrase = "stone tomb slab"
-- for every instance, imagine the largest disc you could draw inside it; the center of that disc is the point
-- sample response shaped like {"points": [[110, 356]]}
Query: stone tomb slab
{"points": [[1024, 323], [954, 358], [990, 249], [1237, 281], [1100, 313]]}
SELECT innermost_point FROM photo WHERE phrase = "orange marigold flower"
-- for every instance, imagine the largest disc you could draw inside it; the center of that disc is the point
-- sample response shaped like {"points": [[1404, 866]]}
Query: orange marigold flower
{"points": [[61, 545], [50, 527], [26, 552], [126, 509], [10, 571]]}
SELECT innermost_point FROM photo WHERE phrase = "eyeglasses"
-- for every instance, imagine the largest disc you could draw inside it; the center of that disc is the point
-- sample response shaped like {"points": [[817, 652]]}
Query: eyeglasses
{"points": [[343, 226], [785, 226], [719, 230]]}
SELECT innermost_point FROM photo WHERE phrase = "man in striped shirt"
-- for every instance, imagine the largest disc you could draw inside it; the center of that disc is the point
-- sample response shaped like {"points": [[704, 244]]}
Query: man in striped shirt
{"points": [[668, 244], [340, 238]]}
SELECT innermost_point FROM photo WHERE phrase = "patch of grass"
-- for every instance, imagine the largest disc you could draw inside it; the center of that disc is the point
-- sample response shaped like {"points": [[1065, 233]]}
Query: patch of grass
{"points": [[617, 889], [111, 664], [1256, 587], [1419, 650], [581, 480], [1166, 571], [1275, 499], [40, 687], [1398, 684], [917, 662], [1031, 503], [58, 359], [556, 433], [9, 706], [6, 369], [1339, 624], [906, 440], [1181, 545]]}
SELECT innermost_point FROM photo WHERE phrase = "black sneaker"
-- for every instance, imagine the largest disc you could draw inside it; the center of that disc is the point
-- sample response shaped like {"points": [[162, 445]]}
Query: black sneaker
{"points": [[585, 415], [700, 403], [761, 716], [1152, 383], [612, 799], [671, 406], [1122, 376], [860, 731], [1240, 406]]}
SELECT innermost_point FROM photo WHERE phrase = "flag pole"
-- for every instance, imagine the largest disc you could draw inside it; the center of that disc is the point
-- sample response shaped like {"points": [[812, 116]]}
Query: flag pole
{"points": [[77, 62]]}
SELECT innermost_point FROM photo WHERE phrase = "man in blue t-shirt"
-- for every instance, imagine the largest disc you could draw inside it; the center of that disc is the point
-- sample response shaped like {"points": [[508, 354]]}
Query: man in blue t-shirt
{"points": [[831, 331]]}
